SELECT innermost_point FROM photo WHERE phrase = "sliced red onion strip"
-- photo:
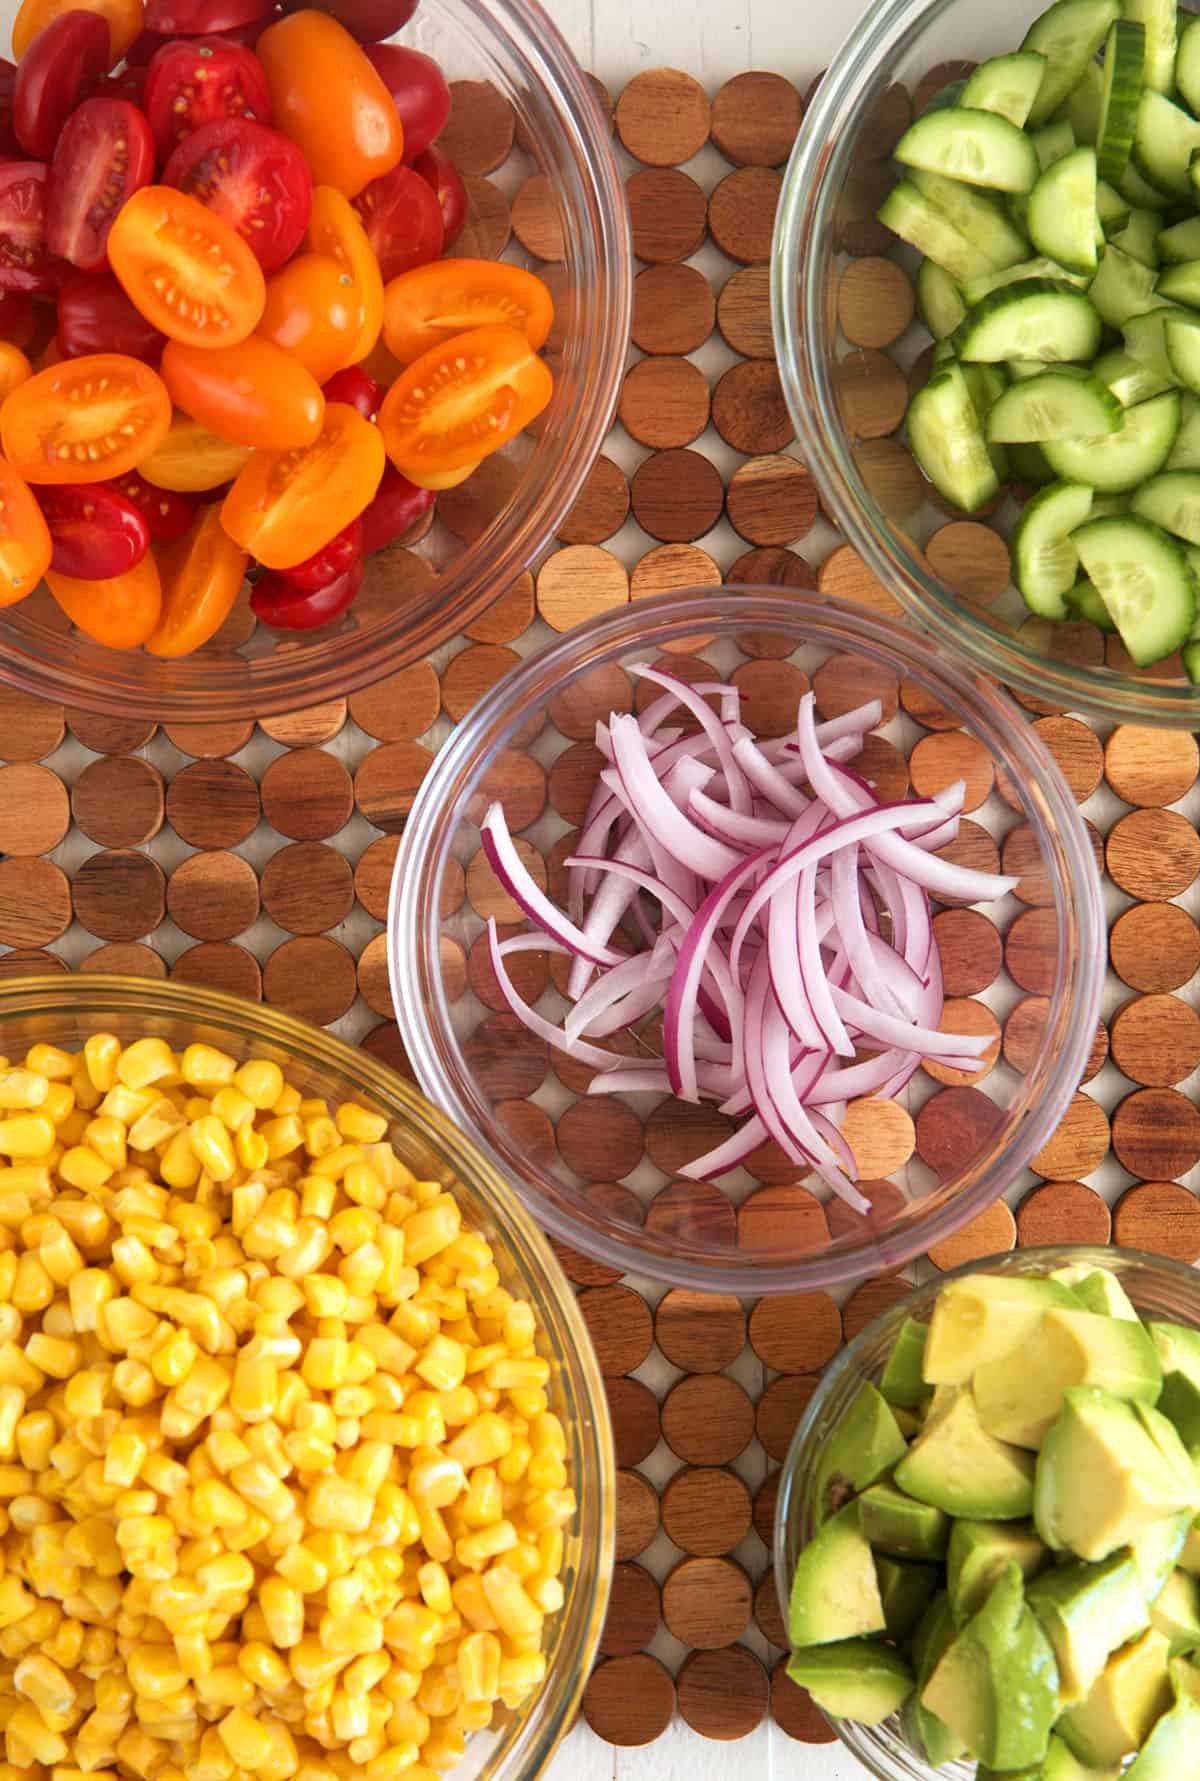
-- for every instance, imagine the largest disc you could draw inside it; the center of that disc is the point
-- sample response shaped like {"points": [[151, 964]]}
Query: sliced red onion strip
{"points": [[679, 1012], [713, 726], [510, 869], [615, 985], [537, 1023], [749, 832], [655, 810], [769, 780], [613, 897]]}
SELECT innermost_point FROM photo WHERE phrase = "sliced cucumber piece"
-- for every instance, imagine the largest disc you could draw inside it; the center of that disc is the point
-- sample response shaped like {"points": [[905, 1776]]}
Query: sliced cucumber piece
{"points": [[1187, 65], [1081, 107], [1185, 453], [1121, 460], [1172, 501], [1084, 600], [1111, 208], [1027, 463], [1129, 380], [1165, 138], [1020, 370], [1007, 85], [1157, 18], [947, 441], [1104, 506], [1040, 318], [1181, 242], [1139, 191], [950, 94], [1069, 35], [1064, 403], [1045, 561], [910, 215], [1191, 661], [1124, 56], [1146, 340], [976, 289], [943, 350], [987, 383], [1139, 237], [980, 146], [1053, 141], [939, 300], [976, 216], [1122, 287], [1144, 579], [1062, 211], [1181, 284]]}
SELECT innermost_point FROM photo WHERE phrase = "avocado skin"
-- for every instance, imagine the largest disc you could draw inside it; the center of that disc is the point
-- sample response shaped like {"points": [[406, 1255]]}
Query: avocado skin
{"points": [[901, 1527], [923, 1729], [997, 1684], [903, 1381], [979, 1551], [865, 1446]]}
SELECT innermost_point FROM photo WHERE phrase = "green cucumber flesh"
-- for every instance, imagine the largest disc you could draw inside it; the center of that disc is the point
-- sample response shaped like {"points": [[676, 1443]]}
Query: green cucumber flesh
{"points": [[1139, 191], [1085, 601], [1138, 237], [1181, 242], [979, 146], [1117, 461], [1157, 18], [1007, 85], [976, 215], [1165, 138], [1181, 284], [1122, 287], [1187, 65], [910, 215], [1185, 453], [1069, 35], [1045, 561], [947, 441], [1144, 579], [1053, 141], [939, 300], [976, 289], [1181, 338], [1081, 107], [1146, 340], [1124, 57], [1111, 208], [1027, 463], [1172, 501], [1062, 403], [1062, 211], [1129, 380], [1035, 319]]}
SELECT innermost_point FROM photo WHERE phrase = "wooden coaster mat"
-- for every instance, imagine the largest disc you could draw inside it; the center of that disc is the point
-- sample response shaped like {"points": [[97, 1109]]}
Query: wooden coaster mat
{"points": [[258, 859]]}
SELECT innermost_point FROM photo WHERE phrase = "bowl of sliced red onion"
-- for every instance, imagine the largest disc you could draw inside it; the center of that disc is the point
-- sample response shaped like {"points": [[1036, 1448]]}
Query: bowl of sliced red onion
{"points": [[761, 948]]}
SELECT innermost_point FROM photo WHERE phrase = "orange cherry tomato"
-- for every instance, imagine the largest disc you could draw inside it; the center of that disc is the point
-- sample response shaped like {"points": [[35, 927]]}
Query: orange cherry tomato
{"points": [[462, 400], [434, 302], [85, 420], [202, 573], [328, 98], [191, 460], [381, 364], [123, 17], [314, 311], [25, 545], [187, 270], [287, 505], [14, 368], [253, 393], [121, 612], [335, 229], [442, 479]]}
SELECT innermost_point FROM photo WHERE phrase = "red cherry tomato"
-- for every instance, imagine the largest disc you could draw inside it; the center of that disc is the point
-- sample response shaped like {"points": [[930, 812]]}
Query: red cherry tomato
{"points": [[8, 136], [355, 388], [190, 18], [104, 153], [403, 221], [253, 178], [17, 320], [128, 83], [189, 84], [61, 64], [419, 93], [26, 264], [248, 34], [123, 18], [439, 171], [368, 20], [142, 49], [324, 566], [398, 506], [167, 515], [279, 602], [96, 533], [95, 315]]}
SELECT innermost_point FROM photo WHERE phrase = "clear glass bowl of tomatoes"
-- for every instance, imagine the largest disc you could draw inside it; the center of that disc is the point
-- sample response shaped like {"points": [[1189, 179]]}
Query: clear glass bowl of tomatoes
{"points": [[247, 344]]}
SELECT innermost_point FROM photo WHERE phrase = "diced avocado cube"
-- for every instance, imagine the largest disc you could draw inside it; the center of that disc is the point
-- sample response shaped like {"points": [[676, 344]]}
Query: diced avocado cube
{"points": [[1130, 1693], [1097, 1290], [1176, 1613], [1103, 1478], [835, 1592], [865, 1445], [923, 1729], [861, 1679], [979, 1551], [903, 1381], [1018, 1402], [984, 1316], [1062, 1764], [957, 1466], [1172, 1750], [996, 1686], [1158, 1550], [900, 1526], [1088, 1612], [1179, 1351], [905, 1590], [1189, 1552]]}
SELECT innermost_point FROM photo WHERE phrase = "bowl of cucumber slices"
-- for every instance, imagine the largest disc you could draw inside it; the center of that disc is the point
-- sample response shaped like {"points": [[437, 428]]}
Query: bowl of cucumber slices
{"points": [[1036, 173]]}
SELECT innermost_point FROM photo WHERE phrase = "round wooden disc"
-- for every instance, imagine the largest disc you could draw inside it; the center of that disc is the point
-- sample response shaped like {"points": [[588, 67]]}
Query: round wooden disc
{"points": [[213, 896], [307, 794], [940, 760], [313, 977], [970, 558], [387, 782], [779, 1409], [971, 950], [1159, 1216], [845, 576], [749, 410], [308, 728], [478, 134], [795, 1332], [755, 117], [1156, 1040], [508, 1062], [722, 1694], [1062, 1212], [472, 673], [1155, 1134], [515, 781], [926, 707], [706, 1510], [664, 402], [670, 568], [707, 1602], [1022, 855], [667, 214], [35, 902], [988, 1233], [1153, 854], [212, 804], [872, 393], [1031, 950], [307, 887], [475, 504], [768, 1616], [220, 964], [674, 309], [700, 1332], [508, 616], [634, 1611], [708, 1419], [128, 958], [637, 1514], [119, 800], [662, 117], [793, 1711], [488, 228], [844, 682], [771, 500], [537, 218], [600, 508], [373, 875], [1081, 1141], [589, 699], [942, 74], [401, 707], [744, 312], [976, 848], [1154, 946], [677, 1133], [32, 961], [600, 1137], [486, 894], [30, 729], [781, 1218], [870, 1300], [577, 583], [109, 735], [384, 1042], [890, 476], [629, 1700], [35, 812], [633, 1408], [875, 302], [620, 1325], [207, 741], [621, 1204], [963, 1015], [677, 496], [955, 1125], [119, 895], [765, 1500], [881, 1136], [741, 213], [1150, 767], [771, 693]]}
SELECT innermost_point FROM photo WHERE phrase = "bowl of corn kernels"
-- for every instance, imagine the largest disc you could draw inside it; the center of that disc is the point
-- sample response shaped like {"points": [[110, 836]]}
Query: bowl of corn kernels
{"points": [[305, 1467]]}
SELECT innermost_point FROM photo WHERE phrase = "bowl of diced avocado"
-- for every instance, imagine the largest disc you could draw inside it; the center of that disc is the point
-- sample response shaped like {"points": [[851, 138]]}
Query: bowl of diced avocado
{"points": [[1034, 169], [987, 1544]]}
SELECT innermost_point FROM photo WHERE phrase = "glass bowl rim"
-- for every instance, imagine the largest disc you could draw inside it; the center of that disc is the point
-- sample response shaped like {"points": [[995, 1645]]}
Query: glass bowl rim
{"points": [[528, 683], [804, 222]]}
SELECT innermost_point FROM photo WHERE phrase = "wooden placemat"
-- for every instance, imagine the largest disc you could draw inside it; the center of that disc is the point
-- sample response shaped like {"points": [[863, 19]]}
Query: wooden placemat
{"points": [[258, 858]]}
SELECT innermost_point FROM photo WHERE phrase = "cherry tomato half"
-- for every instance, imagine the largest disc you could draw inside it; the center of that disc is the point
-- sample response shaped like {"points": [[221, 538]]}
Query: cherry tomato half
{"points": [[462, 400], [17, 319], [439, 171], [85, 420], [340, 554], [95, 315], [193, 461], [14, 368], [121, 612], [403, 221], [61, 64], [189, 84], [395, 510], [253, 178], [314, 311], [167, 515], [280, 603], [189, 18], [419, 93], [354, 387], [24, 538], [368, 20], [96, 533], [254, 393], [286, 505], [123, 18], [104, 153], [335, 230], [26, 263], [9, 146], [433, 303], [202, 575], [191, 275], [331, 102], [128, 83]]}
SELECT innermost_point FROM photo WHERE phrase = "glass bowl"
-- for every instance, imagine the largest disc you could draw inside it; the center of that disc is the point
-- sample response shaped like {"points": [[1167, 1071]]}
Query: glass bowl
{"points": [[604, 1182], [414, 599], [1162, 1288], [65, 1010], [837, 177]]}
